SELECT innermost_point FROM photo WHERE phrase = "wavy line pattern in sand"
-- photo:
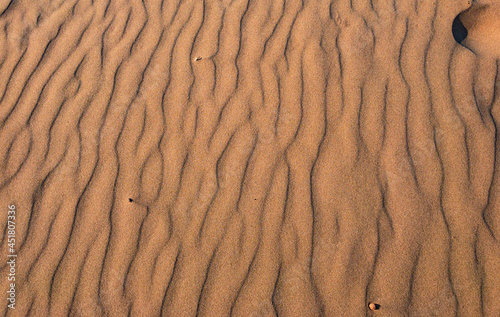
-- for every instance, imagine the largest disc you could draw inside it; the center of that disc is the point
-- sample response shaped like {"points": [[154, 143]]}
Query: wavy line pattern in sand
{"points": [[248, 158]]}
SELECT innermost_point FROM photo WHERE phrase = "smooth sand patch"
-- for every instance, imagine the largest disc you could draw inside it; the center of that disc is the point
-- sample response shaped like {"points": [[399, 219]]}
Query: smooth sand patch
{"points": [[482, 22]]}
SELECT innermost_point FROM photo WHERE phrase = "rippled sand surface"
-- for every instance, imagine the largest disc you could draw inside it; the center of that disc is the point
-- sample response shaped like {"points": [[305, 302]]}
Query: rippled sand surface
{"points": [[251, 157]]}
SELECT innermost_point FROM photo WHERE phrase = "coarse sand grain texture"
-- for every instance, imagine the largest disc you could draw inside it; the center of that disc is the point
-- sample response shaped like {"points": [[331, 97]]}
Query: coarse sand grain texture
{"points": [[250, 158]]}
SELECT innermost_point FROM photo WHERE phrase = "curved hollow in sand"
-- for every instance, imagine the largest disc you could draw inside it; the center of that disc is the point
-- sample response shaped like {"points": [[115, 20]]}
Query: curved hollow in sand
{"points": [[481, 26]]}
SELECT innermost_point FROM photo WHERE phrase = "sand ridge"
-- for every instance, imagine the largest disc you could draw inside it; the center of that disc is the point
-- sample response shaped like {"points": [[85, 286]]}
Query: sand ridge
{"points": [[250, 157]]}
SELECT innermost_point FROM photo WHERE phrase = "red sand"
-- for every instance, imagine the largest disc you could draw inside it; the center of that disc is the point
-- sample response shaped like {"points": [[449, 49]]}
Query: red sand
{"points": [[250, 158]]}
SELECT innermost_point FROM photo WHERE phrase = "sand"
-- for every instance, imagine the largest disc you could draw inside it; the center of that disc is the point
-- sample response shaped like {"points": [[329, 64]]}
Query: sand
{"points": [[482, 21], [250, 158]]}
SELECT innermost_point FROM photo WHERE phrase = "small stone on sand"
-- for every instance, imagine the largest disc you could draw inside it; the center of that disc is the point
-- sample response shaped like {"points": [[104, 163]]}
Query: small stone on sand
{"points": [[373, 306]]}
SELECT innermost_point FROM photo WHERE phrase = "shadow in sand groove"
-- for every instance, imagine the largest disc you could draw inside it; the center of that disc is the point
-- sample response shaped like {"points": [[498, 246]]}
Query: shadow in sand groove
{"points": [[459, 31]]}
